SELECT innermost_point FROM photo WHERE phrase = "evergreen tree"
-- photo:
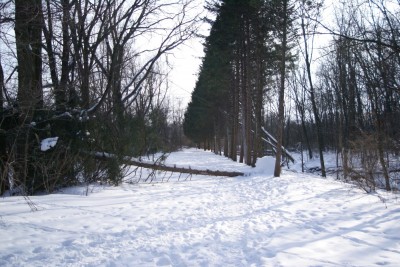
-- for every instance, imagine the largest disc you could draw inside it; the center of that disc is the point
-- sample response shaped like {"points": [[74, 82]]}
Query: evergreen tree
{"points": [[283, 14], [232, 79]]}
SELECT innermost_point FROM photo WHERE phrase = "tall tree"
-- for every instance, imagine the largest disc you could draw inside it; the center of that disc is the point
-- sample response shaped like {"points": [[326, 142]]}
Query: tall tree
{"points": [[233, 76], [59, 79], [309, 12], [28, 39], [28, 36], [283, 14]]}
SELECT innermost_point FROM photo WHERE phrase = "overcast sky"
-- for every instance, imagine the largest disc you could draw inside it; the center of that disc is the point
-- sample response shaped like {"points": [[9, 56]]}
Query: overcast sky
{"points": [[187, 58], [186, 62]]}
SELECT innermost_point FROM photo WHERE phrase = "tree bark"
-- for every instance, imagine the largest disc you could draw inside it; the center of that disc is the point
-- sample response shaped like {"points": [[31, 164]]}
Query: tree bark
{"points": [[1, 88], [281, 99], [3, 151], [28, 37], [61, 91]]}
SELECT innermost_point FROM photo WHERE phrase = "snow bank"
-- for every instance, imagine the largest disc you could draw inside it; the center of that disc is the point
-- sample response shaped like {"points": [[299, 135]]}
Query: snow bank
{"points": [[48, 143], [264, 166], [257, 220]]}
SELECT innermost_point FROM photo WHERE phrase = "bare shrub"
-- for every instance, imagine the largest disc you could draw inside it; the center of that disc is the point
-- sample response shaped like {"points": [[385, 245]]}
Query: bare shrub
{"points": [[363, 164]]}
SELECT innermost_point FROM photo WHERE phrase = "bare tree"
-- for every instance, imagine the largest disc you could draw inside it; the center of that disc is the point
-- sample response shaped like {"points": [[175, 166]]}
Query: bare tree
{"points": [[87, 46], [170, 20], [59, 79], [308, 13]]}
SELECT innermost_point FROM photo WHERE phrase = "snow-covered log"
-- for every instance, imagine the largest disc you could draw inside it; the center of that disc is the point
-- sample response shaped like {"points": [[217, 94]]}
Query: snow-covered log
{"points": [[162, 167]]}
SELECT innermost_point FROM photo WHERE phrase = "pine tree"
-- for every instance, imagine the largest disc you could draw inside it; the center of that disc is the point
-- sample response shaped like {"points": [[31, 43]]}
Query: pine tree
{"points": [[232, 77], [283, 14]]}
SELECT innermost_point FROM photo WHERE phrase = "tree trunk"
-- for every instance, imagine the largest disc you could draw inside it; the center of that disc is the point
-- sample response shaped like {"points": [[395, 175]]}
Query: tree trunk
{"points": [[3, 143], [2, 89], [281, 99], [226, 143], [28, 37], [235, 113], [303, 126], [248, 89], [244, 92], [257, 144], [313, 102], [61, 92]]}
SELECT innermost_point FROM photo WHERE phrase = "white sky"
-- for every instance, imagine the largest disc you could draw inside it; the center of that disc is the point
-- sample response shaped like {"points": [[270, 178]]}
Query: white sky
{"points": [[188, 57], [186, 62]]}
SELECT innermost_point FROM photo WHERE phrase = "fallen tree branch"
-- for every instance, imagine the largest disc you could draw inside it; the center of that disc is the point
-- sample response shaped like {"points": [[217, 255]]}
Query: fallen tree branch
{"points": [[161, 167], [274, 143]]}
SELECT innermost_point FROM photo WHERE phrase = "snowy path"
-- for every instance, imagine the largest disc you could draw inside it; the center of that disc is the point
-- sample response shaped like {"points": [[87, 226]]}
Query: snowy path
{"points": [[257, 220]]}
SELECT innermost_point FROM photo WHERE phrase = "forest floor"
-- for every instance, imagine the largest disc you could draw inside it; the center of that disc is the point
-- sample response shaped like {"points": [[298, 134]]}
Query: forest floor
{"points": [[255, 220]]}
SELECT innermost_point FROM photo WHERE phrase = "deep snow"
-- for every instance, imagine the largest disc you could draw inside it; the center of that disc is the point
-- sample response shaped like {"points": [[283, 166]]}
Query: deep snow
{"points": [[255, 220]]}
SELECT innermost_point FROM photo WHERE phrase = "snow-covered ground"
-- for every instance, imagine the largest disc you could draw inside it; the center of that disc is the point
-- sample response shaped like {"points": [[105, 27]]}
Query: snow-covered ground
{"points": [[255, 220]]}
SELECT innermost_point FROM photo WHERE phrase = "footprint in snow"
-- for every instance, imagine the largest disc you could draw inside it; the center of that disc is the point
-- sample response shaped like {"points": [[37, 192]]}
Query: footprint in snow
{"points": [[67, 243], [164, 261], [37, 250]]}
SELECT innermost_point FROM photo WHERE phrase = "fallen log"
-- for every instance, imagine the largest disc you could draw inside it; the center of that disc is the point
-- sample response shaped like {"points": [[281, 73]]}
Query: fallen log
{"points": [[162, 167]]}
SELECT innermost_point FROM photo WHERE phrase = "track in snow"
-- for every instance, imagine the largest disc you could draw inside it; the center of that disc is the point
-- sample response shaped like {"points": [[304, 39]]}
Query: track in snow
{"points": [[256, 220]]}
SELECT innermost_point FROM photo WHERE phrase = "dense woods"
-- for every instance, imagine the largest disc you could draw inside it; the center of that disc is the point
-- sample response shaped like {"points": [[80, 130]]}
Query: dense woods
{"points": [[267, 65], [78, 77]]}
